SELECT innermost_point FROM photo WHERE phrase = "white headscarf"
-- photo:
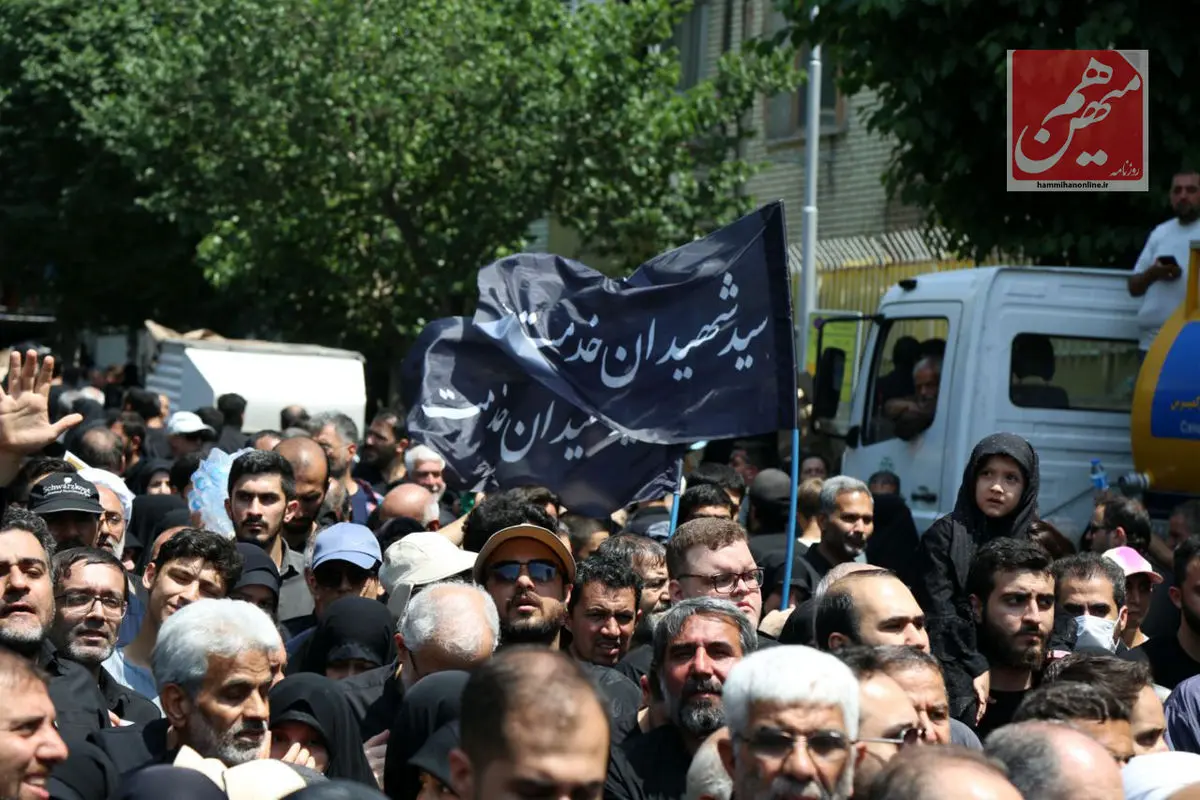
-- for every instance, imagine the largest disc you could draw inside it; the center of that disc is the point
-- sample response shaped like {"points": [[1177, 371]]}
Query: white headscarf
{"points": [[102, 477], [1157, 776]]}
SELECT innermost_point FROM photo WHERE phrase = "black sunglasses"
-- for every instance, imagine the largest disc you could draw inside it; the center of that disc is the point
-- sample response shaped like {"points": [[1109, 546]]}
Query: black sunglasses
{"points": [[539, 571]]}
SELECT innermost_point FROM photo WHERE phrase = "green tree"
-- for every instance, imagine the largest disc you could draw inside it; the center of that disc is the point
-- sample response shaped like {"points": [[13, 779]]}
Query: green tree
{"points": [[73, 237], [939, 69], [347, 166]]}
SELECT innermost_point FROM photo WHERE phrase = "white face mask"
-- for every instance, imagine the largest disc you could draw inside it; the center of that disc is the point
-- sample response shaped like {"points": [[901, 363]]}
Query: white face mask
{"points": [[1096, 632]]}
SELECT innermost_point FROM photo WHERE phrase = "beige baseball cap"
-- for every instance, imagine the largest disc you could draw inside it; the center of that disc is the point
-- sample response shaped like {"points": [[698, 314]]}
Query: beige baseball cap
{"points": [[551, 541]]}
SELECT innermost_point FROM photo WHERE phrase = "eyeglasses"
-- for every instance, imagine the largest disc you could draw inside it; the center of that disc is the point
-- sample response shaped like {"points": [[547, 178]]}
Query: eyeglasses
{"points": [[726, 582], [539, 571], [112, 519], [79, 600], [905, 737], [827, 745]]}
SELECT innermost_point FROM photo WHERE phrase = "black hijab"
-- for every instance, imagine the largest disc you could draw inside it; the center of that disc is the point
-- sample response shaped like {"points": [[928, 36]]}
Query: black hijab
{"points": [[1016, 524], [895, 542], [149, 513], [336, 790], [139, 475], [353, 627], [431, 703], [434, 755], [318, 702]]}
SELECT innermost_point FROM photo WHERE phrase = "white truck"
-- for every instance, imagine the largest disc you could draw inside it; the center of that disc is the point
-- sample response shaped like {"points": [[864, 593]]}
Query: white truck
{"points": [[194, 369], [1047, 353]]}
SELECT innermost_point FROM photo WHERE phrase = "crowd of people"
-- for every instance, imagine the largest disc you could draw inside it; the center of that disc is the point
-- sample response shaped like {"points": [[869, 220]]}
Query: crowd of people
{"points": [[365, 632]]}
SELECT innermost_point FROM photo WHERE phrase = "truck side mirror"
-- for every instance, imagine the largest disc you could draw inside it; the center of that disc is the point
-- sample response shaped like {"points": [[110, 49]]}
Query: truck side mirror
{"points": [[827, 388]]}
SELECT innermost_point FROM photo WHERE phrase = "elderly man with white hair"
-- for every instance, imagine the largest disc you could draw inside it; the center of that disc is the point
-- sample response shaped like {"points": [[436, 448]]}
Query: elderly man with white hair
{"points": [[425, 467], [448, 626], [213, 666], [792, 713]]}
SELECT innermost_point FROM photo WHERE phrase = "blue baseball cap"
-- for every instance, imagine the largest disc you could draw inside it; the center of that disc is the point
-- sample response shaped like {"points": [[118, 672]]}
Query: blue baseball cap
{"points": [[347, 541]]}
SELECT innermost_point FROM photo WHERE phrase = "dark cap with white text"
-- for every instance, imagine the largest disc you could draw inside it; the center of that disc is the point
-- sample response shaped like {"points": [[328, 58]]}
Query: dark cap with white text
{"points": [[60, 491]]}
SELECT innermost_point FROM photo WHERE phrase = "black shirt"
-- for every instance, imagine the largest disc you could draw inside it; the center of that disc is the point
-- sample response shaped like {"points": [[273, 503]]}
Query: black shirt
{"points": [[375, 697], [652, 766], [1001, 707], [622, 699], [80, 706], [125, 702], [93, 769], [818, 562], [1169, 664]]}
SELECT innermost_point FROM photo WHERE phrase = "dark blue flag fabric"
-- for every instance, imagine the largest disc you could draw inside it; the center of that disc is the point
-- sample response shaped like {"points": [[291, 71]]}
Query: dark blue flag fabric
{"points": [[498, 428], [696, 344]]}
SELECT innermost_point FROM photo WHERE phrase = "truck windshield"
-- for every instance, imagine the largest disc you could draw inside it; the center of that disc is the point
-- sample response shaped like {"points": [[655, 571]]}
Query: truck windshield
{"points": [[906, 378], [1062, 372]]}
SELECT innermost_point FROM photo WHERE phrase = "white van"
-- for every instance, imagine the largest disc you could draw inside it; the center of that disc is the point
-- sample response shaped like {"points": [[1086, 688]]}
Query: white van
{"points": [[1049, 354], [270, 375]]}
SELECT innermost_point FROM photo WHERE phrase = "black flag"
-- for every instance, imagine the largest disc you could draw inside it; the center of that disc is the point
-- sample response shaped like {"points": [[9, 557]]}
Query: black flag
{"points": [[696, 344], [498, 428]]}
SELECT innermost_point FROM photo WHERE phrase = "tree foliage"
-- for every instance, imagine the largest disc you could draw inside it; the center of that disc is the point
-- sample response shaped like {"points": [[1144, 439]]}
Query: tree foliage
{"points": [[72, 235], [347, 166], [939, 68]]}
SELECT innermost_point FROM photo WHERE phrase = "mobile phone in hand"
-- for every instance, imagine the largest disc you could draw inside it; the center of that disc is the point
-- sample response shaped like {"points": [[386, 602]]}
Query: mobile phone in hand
{"points": [[1168, 260]]}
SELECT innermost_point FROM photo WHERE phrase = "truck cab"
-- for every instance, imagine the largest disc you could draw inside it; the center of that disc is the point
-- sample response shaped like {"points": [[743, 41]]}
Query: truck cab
{"points": [[1050, 354]]}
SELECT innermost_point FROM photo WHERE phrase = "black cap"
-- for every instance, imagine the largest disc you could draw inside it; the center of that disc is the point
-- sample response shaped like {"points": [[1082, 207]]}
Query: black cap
{"points": [[257, 568], [771, 487], [61, 491]]}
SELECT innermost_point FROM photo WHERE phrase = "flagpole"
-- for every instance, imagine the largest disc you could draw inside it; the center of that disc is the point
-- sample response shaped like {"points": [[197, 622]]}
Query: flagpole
{"points": [[808, 232], [808, 278], [675, 496], [791, 526]]}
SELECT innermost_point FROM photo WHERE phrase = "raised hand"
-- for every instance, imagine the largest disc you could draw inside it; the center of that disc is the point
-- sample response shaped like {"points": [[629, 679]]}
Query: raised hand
{"points": [[25, 425]]}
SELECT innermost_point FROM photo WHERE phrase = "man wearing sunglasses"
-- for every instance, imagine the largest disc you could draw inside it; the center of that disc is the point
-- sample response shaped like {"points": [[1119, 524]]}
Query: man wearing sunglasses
{"points": [[793, 716], [528, 571], [342, 560], [887, 720]]}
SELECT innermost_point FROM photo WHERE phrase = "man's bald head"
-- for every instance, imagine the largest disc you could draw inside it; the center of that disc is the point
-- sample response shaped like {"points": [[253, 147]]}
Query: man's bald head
{"points": [[304, 454], [412, 501], [310, 466], [706, 777], [1050, 759], [162, 539], [840, 572]]}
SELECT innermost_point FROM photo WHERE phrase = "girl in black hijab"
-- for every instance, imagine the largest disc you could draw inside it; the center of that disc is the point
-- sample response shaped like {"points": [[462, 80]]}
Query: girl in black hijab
{"points": [[433, 702], [998, 497], [148, 476], [354, 636], [311, 710]]}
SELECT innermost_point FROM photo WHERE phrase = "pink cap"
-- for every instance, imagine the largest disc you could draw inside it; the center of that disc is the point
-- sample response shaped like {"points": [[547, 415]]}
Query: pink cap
{"points": [[1132, 562]]}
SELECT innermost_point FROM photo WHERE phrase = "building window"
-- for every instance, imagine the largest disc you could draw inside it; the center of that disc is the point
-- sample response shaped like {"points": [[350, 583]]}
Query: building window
{"points": [[786, 114], [691, 40]]}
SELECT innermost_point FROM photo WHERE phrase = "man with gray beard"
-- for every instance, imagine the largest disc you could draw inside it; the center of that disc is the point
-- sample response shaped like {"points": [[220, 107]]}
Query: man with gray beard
{"points": [[212, 665], [696, 645]]}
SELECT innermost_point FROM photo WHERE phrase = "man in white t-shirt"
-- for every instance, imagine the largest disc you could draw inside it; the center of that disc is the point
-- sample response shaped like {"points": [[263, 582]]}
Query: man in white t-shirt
{"points": [[1159, 277]]}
